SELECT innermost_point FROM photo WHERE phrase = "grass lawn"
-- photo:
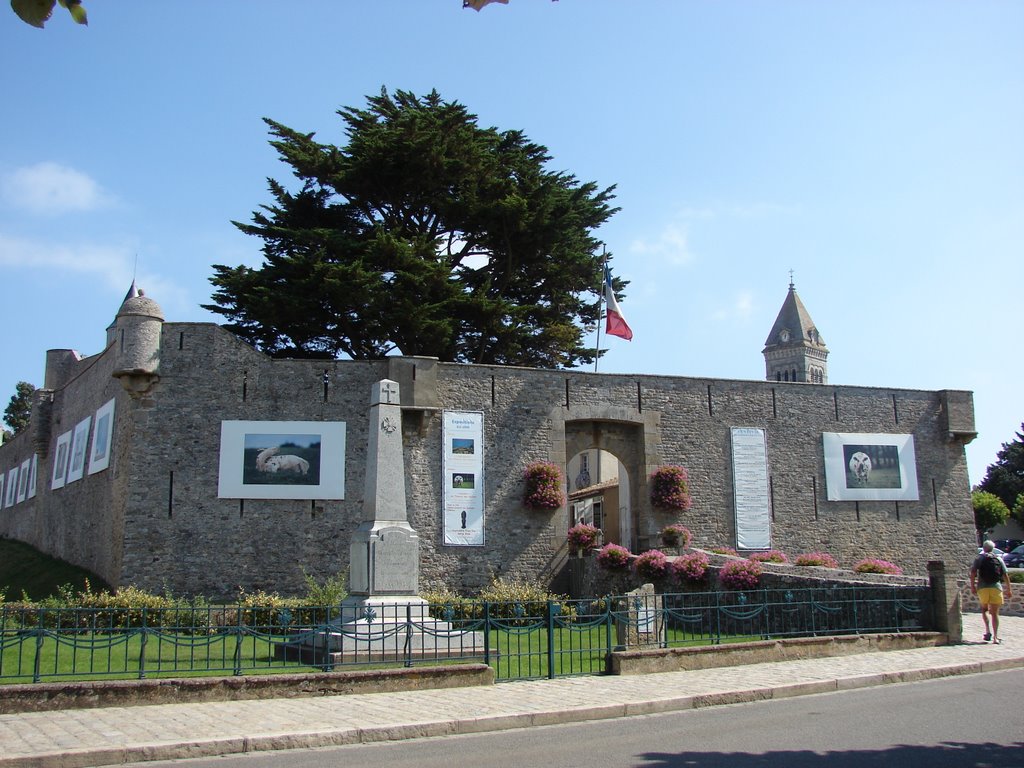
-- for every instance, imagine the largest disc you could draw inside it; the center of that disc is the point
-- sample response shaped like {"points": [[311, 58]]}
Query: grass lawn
{"points": [[25, 569], [89, 656], [521, 653]]}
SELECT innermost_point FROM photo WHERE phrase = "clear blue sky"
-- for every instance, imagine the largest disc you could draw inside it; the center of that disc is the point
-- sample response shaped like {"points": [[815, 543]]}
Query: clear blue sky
{"points": [[875, 148]]}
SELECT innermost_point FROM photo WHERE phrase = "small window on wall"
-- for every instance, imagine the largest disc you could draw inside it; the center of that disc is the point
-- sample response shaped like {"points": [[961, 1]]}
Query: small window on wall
{"points": [[583, 512], [598, 511]]}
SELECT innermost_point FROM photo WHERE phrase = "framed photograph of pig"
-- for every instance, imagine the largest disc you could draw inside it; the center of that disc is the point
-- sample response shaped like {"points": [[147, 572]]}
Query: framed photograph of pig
{"points": [[870, 467], [282, 460]]}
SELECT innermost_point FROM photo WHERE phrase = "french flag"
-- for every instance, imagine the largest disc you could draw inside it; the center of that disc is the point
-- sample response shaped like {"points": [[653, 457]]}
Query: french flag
{"points": [[615, 324]]}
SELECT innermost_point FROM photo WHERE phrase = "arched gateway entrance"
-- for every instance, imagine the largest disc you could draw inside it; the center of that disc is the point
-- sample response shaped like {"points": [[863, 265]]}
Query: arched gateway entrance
{"points": [[632, 438]]}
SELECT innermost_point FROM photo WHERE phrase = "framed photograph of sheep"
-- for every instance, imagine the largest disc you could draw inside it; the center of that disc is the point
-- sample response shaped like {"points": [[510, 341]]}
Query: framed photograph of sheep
{"points": [[60, 461], [99, 450], [76, 461], [870, 467], [282, 460]]}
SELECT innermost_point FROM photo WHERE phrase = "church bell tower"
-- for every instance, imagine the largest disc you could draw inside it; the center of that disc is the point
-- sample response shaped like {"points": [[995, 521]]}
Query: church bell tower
{"points": [[794, 350]]}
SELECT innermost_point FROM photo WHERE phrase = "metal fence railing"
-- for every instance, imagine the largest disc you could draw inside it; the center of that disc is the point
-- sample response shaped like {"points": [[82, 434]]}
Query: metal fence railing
{"points": [[533, 639]]}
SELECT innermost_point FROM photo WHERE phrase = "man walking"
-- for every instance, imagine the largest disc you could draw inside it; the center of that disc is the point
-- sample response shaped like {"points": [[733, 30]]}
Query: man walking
{"points": [[989, 581]]}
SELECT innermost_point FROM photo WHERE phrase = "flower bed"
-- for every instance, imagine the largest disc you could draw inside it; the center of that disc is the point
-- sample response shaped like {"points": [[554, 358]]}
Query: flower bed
{"points": [[652, 565], [872, 565], [822, 559], [691, 567], [583, 537], [613, 557], [676, 535], [740, 574], [771, 556]]}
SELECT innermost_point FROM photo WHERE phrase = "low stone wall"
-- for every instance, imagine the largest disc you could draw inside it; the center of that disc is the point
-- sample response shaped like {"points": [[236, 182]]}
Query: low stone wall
{"points": [[644, 661], [44, 697], [1012, 607], [591, 580]]}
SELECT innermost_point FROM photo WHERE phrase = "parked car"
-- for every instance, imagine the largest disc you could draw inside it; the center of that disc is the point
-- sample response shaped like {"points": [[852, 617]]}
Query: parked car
{"points": [[996, 551], [1008, 545], [1014, 559]]}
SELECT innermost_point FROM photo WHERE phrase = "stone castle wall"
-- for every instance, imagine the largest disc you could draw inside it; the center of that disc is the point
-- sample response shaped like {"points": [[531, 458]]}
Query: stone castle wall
{"points": [[154, 519], [81, 522]]}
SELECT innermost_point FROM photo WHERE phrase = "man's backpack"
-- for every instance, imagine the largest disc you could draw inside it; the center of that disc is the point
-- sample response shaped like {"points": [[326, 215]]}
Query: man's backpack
{"points": [[990, 569]]}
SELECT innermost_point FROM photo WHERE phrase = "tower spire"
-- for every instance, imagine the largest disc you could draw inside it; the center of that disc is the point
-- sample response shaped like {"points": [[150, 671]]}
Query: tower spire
{"points": [[794, 350]]}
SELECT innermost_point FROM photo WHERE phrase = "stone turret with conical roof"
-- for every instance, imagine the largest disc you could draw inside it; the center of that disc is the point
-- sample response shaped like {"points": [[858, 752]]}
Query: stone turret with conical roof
{"points": [[135, 334], [794, 350]]}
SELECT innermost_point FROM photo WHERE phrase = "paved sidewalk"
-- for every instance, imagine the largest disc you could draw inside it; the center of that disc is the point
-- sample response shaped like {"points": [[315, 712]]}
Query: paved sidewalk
{"points": [[88, 737]]}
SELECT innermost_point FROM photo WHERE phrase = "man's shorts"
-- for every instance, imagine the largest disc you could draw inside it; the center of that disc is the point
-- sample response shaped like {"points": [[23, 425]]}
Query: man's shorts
{"points": [[990, 596]]}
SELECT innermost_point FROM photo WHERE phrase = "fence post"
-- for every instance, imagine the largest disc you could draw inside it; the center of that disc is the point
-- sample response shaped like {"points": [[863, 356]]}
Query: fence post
{"points": [[408, 635], [718, 617], [142, 646], [36, 676], [609, 620], [947, 615], [765, 622], [238, 641], [487, 633], [551, 640]]}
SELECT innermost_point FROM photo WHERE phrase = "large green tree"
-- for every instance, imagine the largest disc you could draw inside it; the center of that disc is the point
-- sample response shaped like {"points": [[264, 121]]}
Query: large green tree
{"points": [[38, 12], [989, 510], [19, 409], [426, 233], [1005, 477]]}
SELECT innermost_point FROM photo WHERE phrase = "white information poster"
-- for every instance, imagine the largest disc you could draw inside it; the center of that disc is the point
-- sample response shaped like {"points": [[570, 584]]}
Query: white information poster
{"points": [[463, 476], [750, 481]]}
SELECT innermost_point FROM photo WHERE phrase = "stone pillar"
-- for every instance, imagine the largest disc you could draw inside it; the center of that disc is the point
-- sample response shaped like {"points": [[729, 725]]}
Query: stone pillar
{"points": [[384, 553], [946, 611], [644, 627]]}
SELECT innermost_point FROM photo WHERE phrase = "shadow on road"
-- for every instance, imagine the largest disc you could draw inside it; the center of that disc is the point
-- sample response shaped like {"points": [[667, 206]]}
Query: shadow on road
{"points": [[947, 755]]}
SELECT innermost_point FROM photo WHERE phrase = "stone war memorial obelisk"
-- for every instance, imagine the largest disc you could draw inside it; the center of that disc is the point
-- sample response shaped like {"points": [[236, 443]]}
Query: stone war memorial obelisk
{"points": [[384, 556], [384, 618]]}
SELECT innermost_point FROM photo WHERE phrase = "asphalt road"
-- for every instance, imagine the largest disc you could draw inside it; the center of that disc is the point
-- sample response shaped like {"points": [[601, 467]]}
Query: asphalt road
{"points": [[975, 721]]}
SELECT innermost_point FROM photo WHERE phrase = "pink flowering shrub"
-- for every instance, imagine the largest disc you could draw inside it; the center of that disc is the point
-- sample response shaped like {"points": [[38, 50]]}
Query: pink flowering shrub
{"points": [[691, 567], [670, 488], [613, 557], [652, 564], [740, 574], [543, 486], [817, 558], [771, 556], [725, 551], [676, 535], [583, 537], [872, 565]]}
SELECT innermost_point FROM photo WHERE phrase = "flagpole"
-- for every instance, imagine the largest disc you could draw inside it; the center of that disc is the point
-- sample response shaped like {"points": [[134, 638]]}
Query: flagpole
{"points": [[604, 266]]}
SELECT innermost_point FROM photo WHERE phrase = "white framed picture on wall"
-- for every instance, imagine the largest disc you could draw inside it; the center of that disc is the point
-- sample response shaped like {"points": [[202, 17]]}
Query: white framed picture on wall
{"points": [[11, 492], [282, 460], [24, 474], [76, 462], [60, 461], [99, 449], [870, 467]]}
